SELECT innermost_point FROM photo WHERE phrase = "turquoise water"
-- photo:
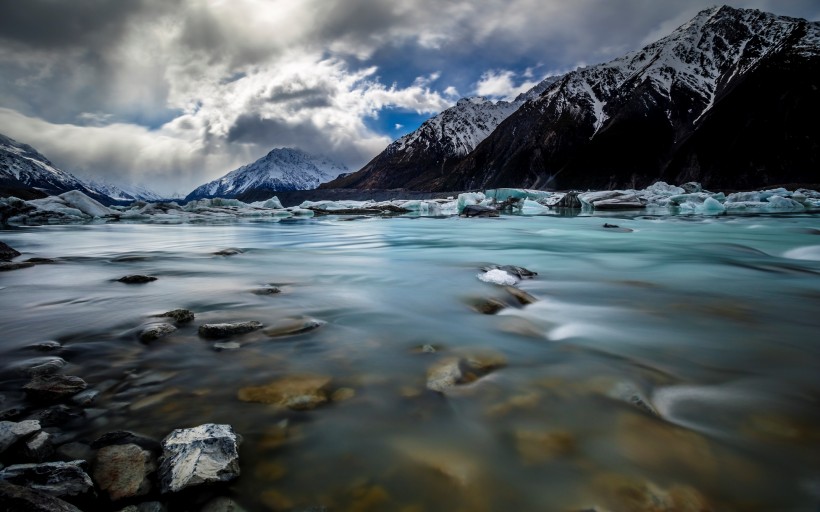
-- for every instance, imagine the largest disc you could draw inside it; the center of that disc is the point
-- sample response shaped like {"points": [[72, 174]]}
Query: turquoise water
{"points": [[677, 363]]}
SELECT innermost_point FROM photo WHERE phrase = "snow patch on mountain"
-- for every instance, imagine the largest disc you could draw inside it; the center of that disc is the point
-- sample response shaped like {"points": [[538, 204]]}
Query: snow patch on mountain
{"points": [[124, 192], [281, 169], [24, 164]]}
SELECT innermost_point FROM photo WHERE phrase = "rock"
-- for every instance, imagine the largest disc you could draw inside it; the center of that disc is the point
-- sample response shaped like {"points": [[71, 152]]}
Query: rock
{"points": [[692, 187], [155, 332], [537, 446], [121, 437], [611, 226], [12, 413], [292, 326], [452, 371], [621, 492], [11, 432], [460, 467], [53, 388], [147, 506], [519, 272], [46, 346], [6, 265], [570, 200], [477, 210], [342, 394], [199, 455], [227, 329], [41, 261], [7, 253], [20, 499], [268, 290], [59, 479], [57, 415], [520, 295], [180, 316], [136, 279], [40, 366], [39, 447], [298, 392], [231, 251], [486, 306], [428, 349], [122, 471]]}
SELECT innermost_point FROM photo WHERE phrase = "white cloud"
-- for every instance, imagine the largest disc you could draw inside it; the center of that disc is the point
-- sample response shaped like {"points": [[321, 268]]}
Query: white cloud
{"points": [[501, 84]]}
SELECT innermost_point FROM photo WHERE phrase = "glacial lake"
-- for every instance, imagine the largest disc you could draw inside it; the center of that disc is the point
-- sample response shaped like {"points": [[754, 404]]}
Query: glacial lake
{"points": [[676, 363]]}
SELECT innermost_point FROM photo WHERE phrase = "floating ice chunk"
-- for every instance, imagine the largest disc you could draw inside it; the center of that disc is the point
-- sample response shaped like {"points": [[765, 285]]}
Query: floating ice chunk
{"points": [[273, 203], [811, 253], [767, 194], [498, 276], [469, 198], [744, 197], [85, 204], [661, 188], [783, 203], [531, 206], [710, 205]]}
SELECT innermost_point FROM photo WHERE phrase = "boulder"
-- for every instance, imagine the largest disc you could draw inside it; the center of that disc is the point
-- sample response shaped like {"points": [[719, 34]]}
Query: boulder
{"points": [[155, 332], [570, 200], [228, 329], [21, 499], [200, 455], [180, 316], [53, 388], [122, 471], [11, 432], [7, 253], [59, 479]]}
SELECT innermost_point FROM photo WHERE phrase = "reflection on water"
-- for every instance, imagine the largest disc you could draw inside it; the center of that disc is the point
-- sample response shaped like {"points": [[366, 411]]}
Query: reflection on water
{"points": [[674, 366]]}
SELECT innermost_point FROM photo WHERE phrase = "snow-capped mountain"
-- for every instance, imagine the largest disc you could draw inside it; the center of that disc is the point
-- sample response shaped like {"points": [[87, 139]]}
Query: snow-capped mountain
{"points": [[438, 143], [729, 98], [124, 192], [24, 170], [281, 169]]}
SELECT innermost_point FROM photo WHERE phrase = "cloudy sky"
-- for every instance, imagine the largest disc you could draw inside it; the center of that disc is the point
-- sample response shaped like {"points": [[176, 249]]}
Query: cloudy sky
{"points": [[174, 93]]}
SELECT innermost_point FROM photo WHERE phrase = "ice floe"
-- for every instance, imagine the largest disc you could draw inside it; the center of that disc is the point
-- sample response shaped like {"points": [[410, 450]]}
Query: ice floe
{"points": [[660, 197]]}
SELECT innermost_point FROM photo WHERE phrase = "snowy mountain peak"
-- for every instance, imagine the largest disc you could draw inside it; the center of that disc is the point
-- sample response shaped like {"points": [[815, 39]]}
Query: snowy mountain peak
{"points": [[279, 170], [23, 165]]}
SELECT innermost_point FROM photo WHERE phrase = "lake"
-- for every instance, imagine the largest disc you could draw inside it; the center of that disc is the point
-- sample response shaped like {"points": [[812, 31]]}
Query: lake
{"points": [[673, 362]]}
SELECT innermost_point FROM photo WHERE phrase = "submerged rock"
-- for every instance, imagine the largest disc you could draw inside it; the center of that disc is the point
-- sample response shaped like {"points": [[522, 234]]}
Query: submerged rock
{"points": [[540, 446], [231, 251], [122, 471], [452, 371], [180, 316], [7, 253], [486, 306], [121, 437], [291, 326], [46, 346], [136, 279], [298, 392], [267, 290], [53, 388], [19, 498], [59, 479], [520, 295], [200, 455], [228, 329], [155, 332]]}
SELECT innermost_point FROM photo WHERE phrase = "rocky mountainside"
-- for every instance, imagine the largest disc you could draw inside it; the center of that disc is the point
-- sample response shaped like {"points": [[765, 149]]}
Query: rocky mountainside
{"points": [[728, 99], [126, 193], [437, 145], [281, 169], [26, 173]]}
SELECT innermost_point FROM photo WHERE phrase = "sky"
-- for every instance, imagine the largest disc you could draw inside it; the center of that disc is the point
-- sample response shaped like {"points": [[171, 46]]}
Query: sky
{"points": [[175, 93]]}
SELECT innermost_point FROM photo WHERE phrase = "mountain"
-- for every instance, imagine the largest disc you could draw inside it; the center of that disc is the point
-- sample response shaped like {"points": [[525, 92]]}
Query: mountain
{"points": [[127, 193], [26, 173], [280, 170], [438, 144], [728, 99]]}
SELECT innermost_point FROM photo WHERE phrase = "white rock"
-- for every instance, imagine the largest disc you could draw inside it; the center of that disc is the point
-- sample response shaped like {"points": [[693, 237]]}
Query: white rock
{"points": [[199, 455]]}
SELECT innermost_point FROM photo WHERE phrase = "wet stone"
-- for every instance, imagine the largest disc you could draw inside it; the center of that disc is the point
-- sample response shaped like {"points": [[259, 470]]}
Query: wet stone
{"points": [[155, 332], [519, 272], [520, 295], [39, 447], [7, 253], [225, 330], [41, 261], [53, 388], [41, 366], [11, 432], [226, 345], [19, 498], [452, 371], [59, 479], [122, 471], [74, 451], [85, 398], [486, 306], [293, 326], [121, 437], [180, 316], [57, 415], [267, 290], [46, 346], [343, 394], [477, 210], [136, 279], [298, 392], [199, 455], [231, 251], [222, 504], [537, 447]]}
